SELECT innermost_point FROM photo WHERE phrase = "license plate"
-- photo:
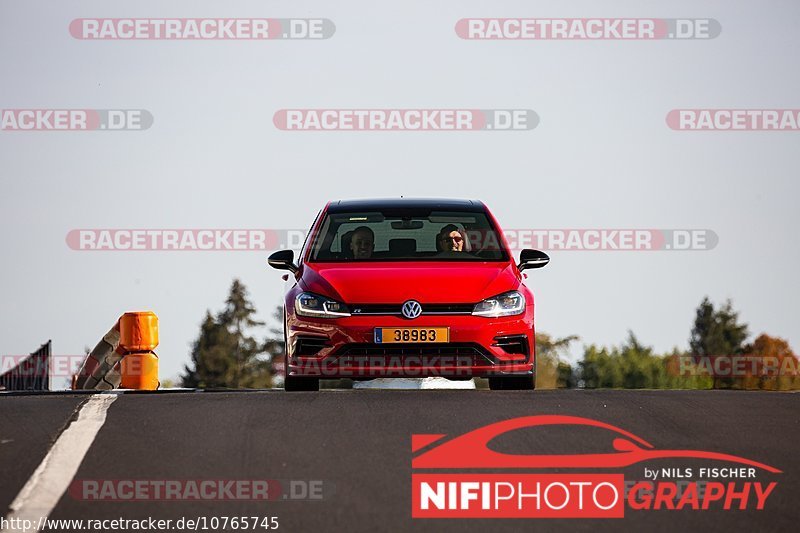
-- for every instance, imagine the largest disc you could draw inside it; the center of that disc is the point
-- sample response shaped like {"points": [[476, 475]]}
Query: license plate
{"points": [[407, 335]]}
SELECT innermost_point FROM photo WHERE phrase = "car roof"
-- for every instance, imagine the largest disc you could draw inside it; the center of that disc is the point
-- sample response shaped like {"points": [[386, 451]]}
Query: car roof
{"points": [[344, 206]]}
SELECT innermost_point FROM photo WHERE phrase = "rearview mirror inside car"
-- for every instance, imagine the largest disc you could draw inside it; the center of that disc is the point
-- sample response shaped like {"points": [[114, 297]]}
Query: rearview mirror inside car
{"points": [[407, 224], [283, 260], [532, 259]]}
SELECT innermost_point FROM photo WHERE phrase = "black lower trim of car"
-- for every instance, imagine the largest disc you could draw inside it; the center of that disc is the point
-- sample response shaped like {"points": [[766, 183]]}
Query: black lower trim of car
{"points": [[306, 345], [479, 355], [514, 345]]}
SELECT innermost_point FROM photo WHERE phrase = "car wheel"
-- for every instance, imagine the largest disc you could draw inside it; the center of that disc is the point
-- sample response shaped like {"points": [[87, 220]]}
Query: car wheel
{"points": [[295, 384], [512, 383]]}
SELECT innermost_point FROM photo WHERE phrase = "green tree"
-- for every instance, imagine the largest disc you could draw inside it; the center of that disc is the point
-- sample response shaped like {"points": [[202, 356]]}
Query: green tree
{"points": [[551, 370], [211, 356], [225, 354], [632, 365], [639, 366], [717, 332], [275, 348], [599, 368]]}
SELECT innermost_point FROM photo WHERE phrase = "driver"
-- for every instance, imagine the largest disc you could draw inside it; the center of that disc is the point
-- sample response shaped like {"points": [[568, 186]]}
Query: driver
{"points": [[362, 243], [450, 239]]}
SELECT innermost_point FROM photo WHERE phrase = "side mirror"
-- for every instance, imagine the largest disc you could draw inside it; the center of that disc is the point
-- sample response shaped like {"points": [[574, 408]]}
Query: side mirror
{"points": [[283, 260], [532, 259]]}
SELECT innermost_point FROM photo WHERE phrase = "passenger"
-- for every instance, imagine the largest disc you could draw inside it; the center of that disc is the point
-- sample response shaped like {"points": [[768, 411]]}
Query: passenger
{"points": [[362, 243], [450, 239]]}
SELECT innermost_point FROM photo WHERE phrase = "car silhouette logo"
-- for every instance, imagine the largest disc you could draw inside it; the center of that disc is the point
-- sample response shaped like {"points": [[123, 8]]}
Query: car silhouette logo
{"points": [[471, 449], [411, 309]]}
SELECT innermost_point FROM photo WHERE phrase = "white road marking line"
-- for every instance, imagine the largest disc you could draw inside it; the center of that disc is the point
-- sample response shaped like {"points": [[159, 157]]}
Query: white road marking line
{"points": [[50, 481]]}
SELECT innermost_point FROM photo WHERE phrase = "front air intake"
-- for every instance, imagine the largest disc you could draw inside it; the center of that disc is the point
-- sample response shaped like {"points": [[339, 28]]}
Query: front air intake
{"points": [[513, 344], [307, 345]]}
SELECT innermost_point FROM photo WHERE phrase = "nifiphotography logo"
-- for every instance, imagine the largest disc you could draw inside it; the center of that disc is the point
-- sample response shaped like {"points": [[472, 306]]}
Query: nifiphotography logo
{"points": [[575, 485]]}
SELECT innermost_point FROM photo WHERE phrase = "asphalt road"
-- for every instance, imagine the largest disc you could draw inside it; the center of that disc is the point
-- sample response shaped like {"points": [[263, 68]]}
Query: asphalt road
{"points": [[356, 446]]}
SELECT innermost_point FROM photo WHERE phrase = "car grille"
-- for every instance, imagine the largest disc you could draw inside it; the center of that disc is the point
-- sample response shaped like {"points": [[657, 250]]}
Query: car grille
{"points": [[427, 309]]}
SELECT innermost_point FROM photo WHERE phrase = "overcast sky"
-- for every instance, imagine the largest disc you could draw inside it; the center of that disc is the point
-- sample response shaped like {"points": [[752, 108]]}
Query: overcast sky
{"points": [[602, 156]]}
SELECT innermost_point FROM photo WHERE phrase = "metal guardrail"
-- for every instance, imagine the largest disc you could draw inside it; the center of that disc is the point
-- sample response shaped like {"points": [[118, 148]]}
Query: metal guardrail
{"points": [[32, 373]]}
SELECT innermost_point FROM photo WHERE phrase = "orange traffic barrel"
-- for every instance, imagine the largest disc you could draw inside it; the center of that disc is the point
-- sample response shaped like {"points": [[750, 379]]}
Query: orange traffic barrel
{"points": [[138, 338], [138, 331], [139, 371]]}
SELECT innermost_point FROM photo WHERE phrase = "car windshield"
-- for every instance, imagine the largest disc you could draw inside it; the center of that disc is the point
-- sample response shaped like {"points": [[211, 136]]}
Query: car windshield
{"points": [[407, 236]]}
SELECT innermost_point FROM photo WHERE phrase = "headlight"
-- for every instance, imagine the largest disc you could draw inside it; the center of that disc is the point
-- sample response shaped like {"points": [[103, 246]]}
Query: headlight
{"points": [[506, 304], [309, 304]]}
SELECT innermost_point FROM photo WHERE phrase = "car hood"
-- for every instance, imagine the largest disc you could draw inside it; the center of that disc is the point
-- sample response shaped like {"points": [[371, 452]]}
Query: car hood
{"points": [[398, 282]]}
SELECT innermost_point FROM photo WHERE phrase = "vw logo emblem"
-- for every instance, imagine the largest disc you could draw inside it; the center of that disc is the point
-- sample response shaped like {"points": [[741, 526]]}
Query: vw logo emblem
{"points": [[411, 309]]}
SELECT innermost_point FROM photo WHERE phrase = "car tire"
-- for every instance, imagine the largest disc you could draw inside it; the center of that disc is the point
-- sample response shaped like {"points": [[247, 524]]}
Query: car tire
{"points": [[295, 384], [512, 383]]}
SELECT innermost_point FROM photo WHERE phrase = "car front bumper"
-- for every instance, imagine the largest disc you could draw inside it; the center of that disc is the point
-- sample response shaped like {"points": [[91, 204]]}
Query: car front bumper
{"points": [[346, 348]]}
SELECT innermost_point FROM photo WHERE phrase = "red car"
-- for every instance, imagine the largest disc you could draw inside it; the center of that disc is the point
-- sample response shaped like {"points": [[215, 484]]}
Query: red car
{"points": [[408, 288]]}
